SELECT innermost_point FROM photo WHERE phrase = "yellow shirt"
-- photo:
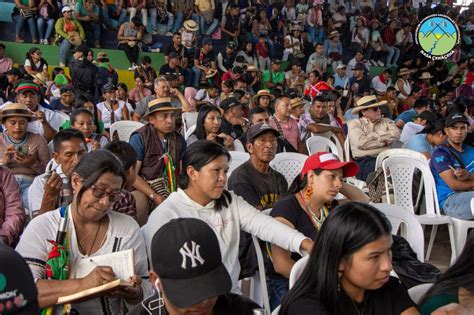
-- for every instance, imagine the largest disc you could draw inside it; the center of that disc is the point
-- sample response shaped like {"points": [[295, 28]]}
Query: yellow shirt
{"points": [[205, 5]]}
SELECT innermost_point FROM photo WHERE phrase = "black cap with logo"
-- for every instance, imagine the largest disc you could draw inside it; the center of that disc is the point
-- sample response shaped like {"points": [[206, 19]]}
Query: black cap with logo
{"points": [[185, 255], [453, 118], [257, 129]]}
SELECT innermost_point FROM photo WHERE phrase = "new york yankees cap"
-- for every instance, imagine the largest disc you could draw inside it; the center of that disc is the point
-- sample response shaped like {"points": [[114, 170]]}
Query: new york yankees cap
{"points": [[185, 255]]}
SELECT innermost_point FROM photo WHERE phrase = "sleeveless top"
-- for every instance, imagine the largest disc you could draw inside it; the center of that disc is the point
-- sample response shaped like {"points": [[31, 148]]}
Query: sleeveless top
{"points": [[106, 118]]}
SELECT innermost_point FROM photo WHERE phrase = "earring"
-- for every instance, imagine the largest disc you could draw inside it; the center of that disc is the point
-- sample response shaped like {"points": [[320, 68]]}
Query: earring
{"points": [[309, 192], [339, 275]]}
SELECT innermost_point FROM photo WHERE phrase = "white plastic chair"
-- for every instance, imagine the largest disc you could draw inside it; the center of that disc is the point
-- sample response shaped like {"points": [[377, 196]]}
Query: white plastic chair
{"points": [[297, 270], [398, 152], [347, 150], [414, 232], [189, 132], [237, 158], [316, 144], [189, 119], [58, 119], [400, 169], [262, 278], [461, 228], [124, 129], [289, 164], [418, 291]]}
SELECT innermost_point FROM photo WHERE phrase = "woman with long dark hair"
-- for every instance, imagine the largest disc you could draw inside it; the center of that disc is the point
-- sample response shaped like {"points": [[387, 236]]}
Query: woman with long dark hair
{"points": [[456, 285], [202, 195], [311, 198], [84, 229], [208, 127], [35, 63], [348, 271]]}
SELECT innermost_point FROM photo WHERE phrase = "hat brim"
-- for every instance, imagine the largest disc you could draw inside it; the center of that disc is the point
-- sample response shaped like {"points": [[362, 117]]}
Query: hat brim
{"points": [[30, 117], [359, 108], [184, 293], [297, 104], [190, 28], [162, 109], [211, 75], [274, 131], [333, 35], [256, 97], [459, 120], [349, 169]]}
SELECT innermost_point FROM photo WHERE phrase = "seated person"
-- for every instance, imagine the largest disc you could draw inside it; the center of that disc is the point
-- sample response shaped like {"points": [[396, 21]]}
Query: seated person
{"points": [[370, 134], [125, 202], [286, 126], [83, 120], [411, 128], [12, 211], [317, 120], [203, 196], [111, 109], [66, 101], [427, 139], [96, 181], [456, 285], [52, 189], [453, 169], [232, 117], [208, 127], [420, 106], [175, 286], [311, 198], [87, 12], [24, 153], [348, 271]]}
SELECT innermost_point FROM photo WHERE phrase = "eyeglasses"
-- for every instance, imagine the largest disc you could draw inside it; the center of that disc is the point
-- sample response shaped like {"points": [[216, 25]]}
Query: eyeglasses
{"points": [[100, 193], [39, 53]]}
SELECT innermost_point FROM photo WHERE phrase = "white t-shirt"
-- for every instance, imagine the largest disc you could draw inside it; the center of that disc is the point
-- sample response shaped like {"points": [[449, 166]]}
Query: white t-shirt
{"points": [[409, 130], [227, 224], [28, 64], [106, 113], [123, 233]]}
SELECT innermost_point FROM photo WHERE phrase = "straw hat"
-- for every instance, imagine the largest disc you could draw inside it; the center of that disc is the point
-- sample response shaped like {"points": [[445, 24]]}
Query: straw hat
{"points": [[425, 75], [404, 71], [367, 102], [211, 73], [333, 34], [296, 83], [364, 20], [190, 25], [159, 104], [40, 78], [15, 110], [262, 93], [295, 102], [251, 68]]}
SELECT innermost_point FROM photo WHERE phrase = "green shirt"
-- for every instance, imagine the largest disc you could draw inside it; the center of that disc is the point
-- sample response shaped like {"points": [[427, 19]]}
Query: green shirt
{"points": [[277, 77], [436, 302]]}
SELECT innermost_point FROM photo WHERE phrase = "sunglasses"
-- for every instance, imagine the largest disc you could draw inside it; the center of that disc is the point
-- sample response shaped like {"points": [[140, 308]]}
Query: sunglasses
{"points": [[100, 193]]}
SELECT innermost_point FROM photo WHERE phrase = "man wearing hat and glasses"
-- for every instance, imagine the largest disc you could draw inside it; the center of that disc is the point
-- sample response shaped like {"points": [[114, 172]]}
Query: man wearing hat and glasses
{"points": [[188, 274], [452, 165], [370, 134], [159, 153]]}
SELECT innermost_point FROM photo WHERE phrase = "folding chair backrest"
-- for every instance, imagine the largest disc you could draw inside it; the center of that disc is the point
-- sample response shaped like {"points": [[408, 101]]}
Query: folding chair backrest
{"points": [[316, 144], [414, 232], [124, 129], [397, 152], [289, 164], [189, 132], [189, 119], [237, 158], [297, 270]]}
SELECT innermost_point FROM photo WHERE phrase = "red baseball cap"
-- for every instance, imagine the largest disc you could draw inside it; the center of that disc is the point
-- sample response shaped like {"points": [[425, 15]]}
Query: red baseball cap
{"points": [[329, 161]]}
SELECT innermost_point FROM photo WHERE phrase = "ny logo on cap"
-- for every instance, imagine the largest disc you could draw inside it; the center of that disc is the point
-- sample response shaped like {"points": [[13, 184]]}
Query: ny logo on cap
{"points": [[193, 254]]}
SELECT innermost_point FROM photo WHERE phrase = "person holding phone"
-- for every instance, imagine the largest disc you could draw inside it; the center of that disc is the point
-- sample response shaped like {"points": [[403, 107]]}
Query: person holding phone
{"points": [[24, 153]]}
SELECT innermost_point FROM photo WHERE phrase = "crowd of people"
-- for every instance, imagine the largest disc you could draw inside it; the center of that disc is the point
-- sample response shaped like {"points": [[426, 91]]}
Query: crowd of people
{"points": [[70, 190]]}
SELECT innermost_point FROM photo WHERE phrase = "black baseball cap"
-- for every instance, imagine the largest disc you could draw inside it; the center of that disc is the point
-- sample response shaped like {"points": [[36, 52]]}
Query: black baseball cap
{"points": [[66, 89], [108, 87], [18, 293], [14, 71], [359, 66], [453, 118], [174, 55], [185, 255], [427, 115], [276, 61], [258, 129], [229, 102], [82, 48]]}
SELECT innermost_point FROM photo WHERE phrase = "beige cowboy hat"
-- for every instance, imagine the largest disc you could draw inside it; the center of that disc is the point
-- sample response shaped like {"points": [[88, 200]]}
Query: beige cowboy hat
{"points": [[295, 102], [15, 110], [262, 93], [251, 69], [403, 71], [425, 75], [367, 102], [40, 78], [159, 104], [211, 73], [333, 34], [190, 25], [297, 83]]}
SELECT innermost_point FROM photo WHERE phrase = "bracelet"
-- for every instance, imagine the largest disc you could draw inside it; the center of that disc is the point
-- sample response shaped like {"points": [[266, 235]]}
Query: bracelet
{"points": [[151, 196]]}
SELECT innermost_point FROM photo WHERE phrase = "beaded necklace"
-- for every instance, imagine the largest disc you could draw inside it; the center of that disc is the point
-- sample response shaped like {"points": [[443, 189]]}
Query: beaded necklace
{"points": [[323, 213], [16, 144]]}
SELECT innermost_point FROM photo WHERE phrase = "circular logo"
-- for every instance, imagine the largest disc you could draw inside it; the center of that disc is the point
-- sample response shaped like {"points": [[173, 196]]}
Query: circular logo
{"points": [[3, 282], [437, 35]]}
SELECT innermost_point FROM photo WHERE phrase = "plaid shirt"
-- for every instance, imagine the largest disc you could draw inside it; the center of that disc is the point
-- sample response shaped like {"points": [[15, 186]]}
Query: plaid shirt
{"points": [[126, 204]]}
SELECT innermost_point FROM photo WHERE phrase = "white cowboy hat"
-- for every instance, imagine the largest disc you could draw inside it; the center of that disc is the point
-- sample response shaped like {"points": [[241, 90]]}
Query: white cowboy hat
{"points": [[367, 102]]}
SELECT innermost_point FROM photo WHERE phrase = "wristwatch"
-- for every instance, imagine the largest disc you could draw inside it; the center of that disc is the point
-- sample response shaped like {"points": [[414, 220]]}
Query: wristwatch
{"points": [[151, 196]]}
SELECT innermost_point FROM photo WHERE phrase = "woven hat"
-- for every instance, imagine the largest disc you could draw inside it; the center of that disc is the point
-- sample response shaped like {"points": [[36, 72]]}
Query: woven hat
{"points": [[15, 110], [367, 102], [295, 102], [211, 73], [262, 93], [425, 75], [251, 69], [40, 78], [404, 71], [190, 25], [159, 104], [333, 34]]}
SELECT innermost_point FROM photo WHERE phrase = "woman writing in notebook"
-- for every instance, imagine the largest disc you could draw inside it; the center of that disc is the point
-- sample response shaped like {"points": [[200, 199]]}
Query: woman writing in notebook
{"points": [[81, 231]]}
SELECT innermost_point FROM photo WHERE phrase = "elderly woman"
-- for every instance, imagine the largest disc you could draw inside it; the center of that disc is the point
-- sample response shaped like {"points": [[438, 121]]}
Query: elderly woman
{"points": [[24, 153], [84, 229]]}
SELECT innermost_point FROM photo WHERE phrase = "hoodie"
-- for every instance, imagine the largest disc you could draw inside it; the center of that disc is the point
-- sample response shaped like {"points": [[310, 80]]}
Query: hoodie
{"points": [[84, 76]]}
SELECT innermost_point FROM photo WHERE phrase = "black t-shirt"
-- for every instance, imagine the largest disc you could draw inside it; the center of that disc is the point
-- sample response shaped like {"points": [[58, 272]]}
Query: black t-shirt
{"points": [[205, 59], [166, 69], [390, 299], [235, 131], [229, 304], [170, 48], [262, 191]]}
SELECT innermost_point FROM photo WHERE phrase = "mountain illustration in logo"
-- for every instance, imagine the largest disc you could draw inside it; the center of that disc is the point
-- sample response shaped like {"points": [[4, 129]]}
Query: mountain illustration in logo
{"points": [[437, 35]]}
